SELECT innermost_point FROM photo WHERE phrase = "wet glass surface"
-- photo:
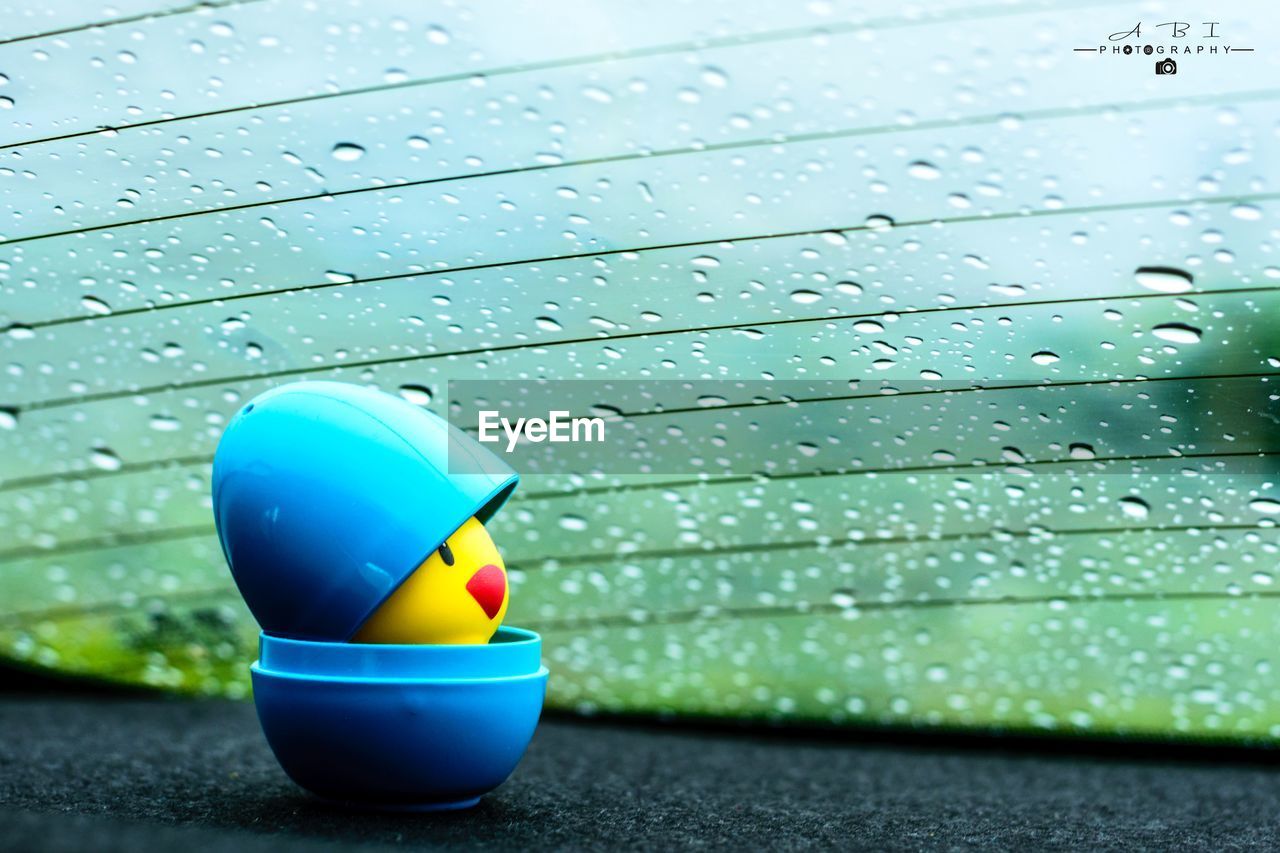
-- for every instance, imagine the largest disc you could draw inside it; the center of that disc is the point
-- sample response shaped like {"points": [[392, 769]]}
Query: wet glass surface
{"points": [[198, 206]]}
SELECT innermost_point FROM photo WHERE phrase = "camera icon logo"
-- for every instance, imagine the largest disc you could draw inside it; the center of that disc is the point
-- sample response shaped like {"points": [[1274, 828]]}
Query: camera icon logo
{"points": [[1166, 66]]}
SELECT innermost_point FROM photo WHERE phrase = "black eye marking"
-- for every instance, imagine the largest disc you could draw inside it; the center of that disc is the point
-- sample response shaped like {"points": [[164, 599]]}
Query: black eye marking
{"points": [[446, 553]]}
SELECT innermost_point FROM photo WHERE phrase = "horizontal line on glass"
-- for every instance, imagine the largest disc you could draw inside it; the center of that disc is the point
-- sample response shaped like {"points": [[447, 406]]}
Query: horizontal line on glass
{"points": [[712, 148], [58, 402], [708, 613], [527, 564], [713, 613], [684, 46], [55, 478], [140, 17]]}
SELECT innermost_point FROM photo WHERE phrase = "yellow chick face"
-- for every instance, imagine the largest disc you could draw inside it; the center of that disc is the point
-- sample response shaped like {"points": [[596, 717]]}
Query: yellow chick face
{"points": [[457, 595]]}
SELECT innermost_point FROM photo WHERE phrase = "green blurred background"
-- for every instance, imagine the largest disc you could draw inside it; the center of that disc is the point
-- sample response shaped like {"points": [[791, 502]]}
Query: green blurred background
{"points": [[939, 199]]}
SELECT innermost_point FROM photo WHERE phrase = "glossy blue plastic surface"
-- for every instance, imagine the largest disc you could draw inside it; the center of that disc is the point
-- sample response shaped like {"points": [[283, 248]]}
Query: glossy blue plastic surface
{"points": [[436, 741], [326, 496], [512, 651]]}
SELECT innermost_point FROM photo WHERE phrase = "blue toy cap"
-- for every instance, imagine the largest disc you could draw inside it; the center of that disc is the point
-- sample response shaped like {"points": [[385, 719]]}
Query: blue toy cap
{"points": [[326, 496]]}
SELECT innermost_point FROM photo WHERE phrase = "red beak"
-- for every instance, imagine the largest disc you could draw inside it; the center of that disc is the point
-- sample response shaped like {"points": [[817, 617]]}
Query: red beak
{"points": [[488, 586]]}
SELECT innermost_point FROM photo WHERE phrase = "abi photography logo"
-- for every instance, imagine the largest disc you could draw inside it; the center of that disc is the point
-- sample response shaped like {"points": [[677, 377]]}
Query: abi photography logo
{"points": [[1165, 42]]}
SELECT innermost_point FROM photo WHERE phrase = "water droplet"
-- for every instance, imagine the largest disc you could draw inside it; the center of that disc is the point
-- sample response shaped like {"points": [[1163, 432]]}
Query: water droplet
{"points": [[1135, 507], [1163, 279], [165, 423], [706, 261], [1010, 290], [1177, 333], [1247, 212], [8, 418], [844, 598], [714, 77], [438, 35], [548, 324], [419, 143], [1045, 357], [1080, 450], [805, 297], [869, 326], [347, 152], [95, 305], [924, 171], [575, 523], [419, 395], [105, 458], [1266, 506]]}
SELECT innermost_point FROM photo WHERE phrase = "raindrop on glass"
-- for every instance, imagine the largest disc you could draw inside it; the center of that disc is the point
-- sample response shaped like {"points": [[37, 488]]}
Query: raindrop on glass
{"points": [[347, 152], [1163, 279], [1266, 506], [575, 523], [1135, 507], [1177, 333], [105, 459], [924, 171], [419, 395], [94, 305]]}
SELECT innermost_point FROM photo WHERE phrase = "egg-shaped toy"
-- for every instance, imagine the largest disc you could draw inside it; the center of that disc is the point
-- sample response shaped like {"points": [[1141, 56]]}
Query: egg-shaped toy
{"points": [[353, 524]]}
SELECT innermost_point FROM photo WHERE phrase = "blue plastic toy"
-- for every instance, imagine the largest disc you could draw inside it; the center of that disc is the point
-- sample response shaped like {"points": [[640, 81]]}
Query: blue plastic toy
{"points": [[400, 727], [327, 497]]}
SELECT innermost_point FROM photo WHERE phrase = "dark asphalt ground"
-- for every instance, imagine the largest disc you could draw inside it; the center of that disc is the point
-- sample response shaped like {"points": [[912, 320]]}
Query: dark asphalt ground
{"points": [[131, 772]]}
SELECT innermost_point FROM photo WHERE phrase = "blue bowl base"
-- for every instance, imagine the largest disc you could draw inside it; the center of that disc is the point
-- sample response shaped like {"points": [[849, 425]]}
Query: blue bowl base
{"points": [[362, 805]]}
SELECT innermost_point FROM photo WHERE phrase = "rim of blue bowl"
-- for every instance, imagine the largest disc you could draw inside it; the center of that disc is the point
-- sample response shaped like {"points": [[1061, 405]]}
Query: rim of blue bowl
{"points": [[512, 652], [326, 678]]}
